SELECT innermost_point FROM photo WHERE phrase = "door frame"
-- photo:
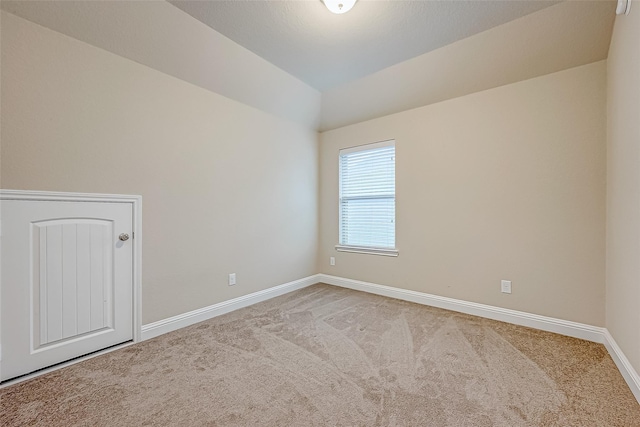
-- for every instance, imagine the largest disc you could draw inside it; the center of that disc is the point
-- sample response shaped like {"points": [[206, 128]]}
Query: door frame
{"points": [[136, 221]]}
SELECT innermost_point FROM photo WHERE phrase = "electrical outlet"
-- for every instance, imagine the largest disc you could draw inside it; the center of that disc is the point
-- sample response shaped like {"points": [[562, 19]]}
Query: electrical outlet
{"points": [[232, 279], [332, 260], [505, 286]]}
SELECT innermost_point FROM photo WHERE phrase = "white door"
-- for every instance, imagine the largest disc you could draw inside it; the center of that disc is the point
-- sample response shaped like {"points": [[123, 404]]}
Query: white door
{"points": [[66, 281]]}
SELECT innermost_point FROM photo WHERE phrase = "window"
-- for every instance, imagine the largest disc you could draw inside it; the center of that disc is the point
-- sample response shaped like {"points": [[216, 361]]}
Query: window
{"points": [[368, 199]]}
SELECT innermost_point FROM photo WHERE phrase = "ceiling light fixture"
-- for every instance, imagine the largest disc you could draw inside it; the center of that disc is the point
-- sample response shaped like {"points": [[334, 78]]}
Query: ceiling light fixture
{"points": [[339, 6]]}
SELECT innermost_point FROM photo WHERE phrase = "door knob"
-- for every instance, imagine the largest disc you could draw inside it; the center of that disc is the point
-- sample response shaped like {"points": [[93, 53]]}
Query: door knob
{"points": [[124, 237]]}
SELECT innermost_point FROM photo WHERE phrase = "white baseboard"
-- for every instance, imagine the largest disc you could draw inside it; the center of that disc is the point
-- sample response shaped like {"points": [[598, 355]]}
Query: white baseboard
{"points": [[624, 366], [160, 327], [550, 324]]}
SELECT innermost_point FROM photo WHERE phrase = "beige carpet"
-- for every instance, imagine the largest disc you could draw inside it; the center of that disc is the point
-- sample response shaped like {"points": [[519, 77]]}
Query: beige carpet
{"points": [[325, 356]]}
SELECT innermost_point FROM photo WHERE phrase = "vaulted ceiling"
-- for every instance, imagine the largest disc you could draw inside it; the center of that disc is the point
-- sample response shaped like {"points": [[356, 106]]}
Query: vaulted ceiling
{"points": [[382, 57], [326, 50]]}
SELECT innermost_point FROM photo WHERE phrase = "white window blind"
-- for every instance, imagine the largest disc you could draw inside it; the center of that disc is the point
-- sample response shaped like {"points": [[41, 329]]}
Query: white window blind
{"points": [[368, 196]]}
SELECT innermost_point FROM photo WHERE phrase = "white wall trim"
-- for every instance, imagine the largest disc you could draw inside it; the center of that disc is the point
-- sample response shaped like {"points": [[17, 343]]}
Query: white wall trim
{"points": [[624, 366], [544, 323], [160, 327], [550, 324], [66, 196]]}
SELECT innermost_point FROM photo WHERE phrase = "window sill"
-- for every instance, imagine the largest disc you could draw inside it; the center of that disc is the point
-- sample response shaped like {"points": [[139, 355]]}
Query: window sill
{"points": [[365, 250]]}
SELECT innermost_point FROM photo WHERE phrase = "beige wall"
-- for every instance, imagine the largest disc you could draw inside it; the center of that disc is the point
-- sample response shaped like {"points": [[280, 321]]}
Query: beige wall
{"points": [[623, 185], [226, 187], [508, 183], [163, 37], [531, 46]]}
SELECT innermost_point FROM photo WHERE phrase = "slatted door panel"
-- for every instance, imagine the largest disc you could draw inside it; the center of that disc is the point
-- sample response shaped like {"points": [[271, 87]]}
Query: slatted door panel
{"points": [[73, 281], [67, 281]]}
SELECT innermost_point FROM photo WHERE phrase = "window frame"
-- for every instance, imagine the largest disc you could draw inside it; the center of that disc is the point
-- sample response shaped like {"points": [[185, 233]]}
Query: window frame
{"points": [[385, 251]]}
